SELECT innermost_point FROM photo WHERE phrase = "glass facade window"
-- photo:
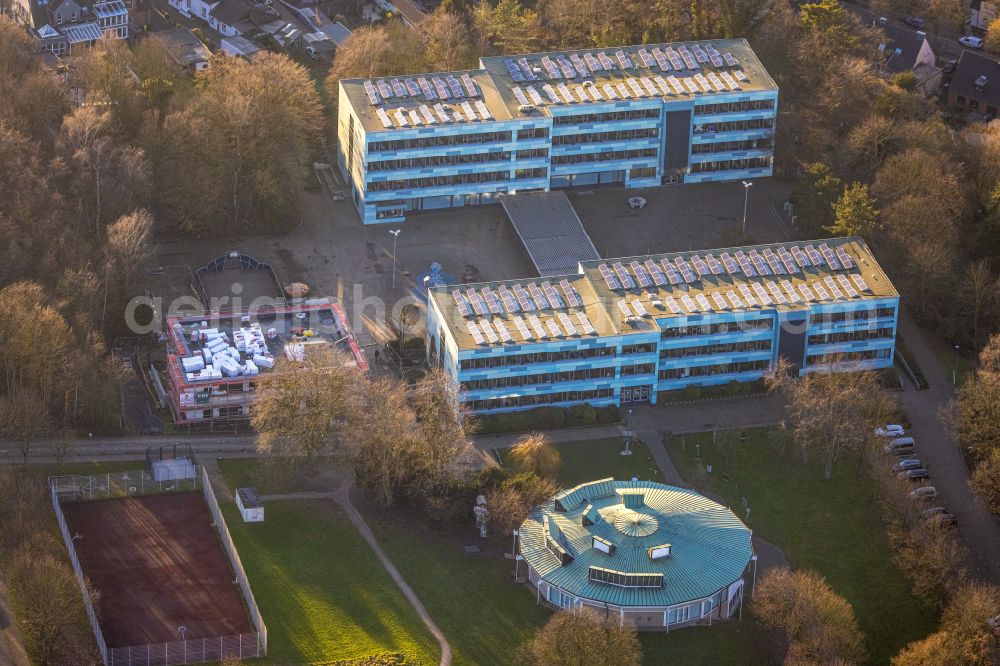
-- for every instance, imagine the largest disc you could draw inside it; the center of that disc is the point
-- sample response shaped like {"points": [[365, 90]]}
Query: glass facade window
{"points": [[540, 399], [735, 125], [605, 156], [610, 116], [638, 369], [719, 369], [733, 107], [537, 357], [542, 378], [439, 160], [642, 348], [439, 181], [722, 327], [722, 348], [605, 137], [848, 357], [731, 165], [642, 172], [533, 133], [439, 140], [731, 146], [851, 336], [851, 315]]}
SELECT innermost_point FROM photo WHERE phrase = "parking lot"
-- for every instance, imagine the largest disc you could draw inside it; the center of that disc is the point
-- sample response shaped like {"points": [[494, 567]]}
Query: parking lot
{"points": [[336, 255]]}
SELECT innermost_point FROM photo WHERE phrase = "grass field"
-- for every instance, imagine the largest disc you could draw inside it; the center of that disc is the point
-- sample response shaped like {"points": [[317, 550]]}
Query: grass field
{"points": [[600, 458], [323, 594], [832, 527]]}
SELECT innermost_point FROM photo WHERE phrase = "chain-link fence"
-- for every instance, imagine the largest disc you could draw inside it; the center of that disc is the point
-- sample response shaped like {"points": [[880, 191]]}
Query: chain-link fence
{"points": [[193, 651], [77, 487]]}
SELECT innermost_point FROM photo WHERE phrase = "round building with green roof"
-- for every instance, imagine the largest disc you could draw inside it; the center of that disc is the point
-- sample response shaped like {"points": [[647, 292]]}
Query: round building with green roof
{"points": [[655, 555]]}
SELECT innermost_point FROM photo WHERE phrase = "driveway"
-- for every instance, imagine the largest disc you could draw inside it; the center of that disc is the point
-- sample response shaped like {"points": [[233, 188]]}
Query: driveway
{"points": [[978, 528]]}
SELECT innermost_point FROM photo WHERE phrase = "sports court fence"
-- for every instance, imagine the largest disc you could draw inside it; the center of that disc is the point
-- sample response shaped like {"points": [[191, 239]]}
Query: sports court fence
{"points": [[68, 540], [73, 488], [190, 651], [234, 559], [193, 651]]}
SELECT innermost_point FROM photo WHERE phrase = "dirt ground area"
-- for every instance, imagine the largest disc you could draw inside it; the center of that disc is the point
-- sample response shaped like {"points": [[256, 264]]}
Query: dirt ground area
{"points": [[158, 565]]}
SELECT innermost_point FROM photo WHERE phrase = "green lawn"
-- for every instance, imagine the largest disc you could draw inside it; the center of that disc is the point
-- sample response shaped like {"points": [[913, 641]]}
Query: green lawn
{"points": [[601, 458], [736, 642], [832, 527], [271, 477], [472, 598], [323, 594]]}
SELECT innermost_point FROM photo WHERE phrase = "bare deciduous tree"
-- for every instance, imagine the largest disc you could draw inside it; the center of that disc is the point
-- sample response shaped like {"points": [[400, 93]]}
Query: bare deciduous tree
{"points": [[533, 452], [832, 411]]}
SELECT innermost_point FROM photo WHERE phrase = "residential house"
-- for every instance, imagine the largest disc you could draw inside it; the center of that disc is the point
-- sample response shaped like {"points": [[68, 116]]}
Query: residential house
{"points": [[904, 49], [975, 86], [186, 49], [59, 25], [221, 15]]}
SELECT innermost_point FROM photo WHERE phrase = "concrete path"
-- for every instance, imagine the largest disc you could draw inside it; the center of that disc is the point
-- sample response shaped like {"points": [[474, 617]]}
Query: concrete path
{"points": [[978, 528], [12, 650], [342, 497]]}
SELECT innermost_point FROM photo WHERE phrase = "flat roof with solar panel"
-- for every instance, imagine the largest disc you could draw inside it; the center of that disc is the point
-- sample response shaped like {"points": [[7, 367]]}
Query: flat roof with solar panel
{"points": [[499, 89], [627, 295]]}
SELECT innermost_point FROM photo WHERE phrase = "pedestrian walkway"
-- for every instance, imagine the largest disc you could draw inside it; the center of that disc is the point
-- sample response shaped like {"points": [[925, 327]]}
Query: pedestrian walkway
{"points": [[343, 499], [12, 650]]}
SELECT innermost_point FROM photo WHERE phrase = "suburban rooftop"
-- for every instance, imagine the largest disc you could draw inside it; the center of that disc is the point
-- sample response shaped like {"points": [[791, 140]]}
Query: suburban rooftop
{"points": [[627, 295], [527, 86]]}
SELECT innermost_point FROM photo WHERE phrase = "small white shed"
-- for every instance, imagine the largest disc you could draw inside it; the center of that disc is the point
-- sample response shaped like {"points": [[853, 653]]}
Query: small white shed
{"points": [[250, 505]]}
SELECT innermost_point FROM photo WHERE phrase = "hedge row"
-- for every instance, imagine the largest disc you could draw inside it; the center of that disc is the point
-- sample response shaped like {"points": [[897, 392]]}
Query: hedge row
{"points": [[544, 418]]}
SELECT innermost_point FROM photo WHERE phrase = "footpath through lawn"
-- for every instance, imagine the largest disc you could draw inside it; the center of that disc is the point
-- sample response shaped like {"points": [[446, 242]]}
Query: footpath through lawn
{"points": [[832, 527], [323, 594]]}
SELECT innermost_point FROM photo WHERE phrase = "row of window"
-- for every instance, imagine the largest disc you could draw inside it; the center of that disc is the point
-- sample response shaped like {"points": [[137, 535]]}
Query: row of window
{"points": [[439, 140], [851, 315], [642, 348], [735, 125], [538, 357], [721, 327], [541, 378], [731, 146], [540, 399], [457, 179], [848, 357], [531, 153], [719, 369], [850, 336], [604, 156], [731, 107], [638, 369], [603, 137], [722, 348], [611, 116], [731, 165], [622, 579], [440, 160]]}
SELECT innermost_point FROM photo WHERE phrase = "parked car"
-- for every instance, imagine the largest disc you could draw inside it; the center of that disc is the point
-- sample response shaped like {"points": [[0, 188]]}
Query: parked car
{"points": [[908, 463], [971, 42], [891, 430], [942, 519], [901, 446], [915, 22], [918, 474], [928, 513], [924, 493]]}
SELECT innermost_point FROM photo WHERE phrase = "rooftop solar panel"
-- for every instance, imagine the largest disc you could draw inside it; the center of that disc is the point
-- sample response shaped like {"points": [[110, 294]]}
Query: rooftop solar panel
{"points": [[639, 308], [572, 298], [384, 117], [659, 279], [734, 299], [672, 305], [522, 298], [860, 283], [846, 285], [552, 295], [641, 275], [522, 328], [762, 296], [623, 275], [509, 302], [461, 303], [807, 293], [609, 277], [567, 324], [554, 329], [845, 258], [793, 295], [537, 296], [813, 255], [688, 303], [536, 326], [492, 302], [502, 331], [475, 332], [821, 291], [776, 293], [625, 309], [703, 302], [747, 296], [720, 302], [588, 328]]}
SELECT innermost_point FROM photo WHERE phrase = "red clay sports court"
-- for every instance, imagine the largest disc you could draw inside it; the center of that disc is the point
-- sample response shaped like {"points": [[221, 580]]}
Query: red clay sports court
{"points": [[158, 564]]}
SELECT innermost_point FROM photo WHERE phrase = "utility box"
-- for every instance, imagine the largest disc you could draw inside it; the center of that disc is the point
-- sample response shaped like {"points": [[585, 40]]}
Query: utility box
{"points": [[251, 508]]}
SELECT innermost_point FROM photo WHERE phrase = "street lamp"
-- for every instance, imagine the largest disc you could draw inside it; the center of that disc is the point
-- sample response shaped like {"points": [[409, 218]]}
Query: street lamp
{"points": [[395, 236], [746, 197]]}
